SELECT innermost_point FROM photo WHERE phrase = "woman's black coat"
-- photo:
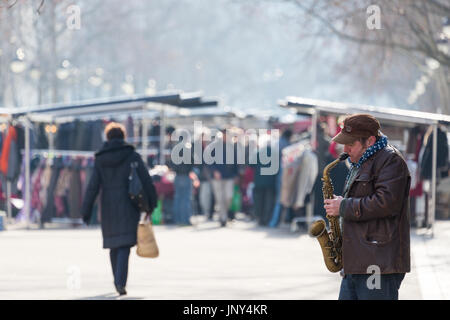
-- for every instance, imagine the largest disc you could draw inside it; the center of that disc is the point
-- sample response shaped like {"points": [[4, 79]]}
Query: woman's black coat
{"points": [[119, 218]]}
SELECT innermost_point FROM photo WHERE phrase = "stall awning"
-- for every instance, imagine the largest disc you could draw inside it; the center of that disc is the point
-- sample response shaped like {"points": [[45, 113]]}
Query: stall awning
{"points": [[115, 106], [310, 106]]}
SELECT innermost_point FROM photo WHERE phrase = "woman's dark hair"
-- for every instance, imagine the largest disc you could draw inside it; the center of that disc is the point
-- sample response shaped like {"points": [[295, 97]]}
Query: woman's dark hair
{"points": [[115, 130]]}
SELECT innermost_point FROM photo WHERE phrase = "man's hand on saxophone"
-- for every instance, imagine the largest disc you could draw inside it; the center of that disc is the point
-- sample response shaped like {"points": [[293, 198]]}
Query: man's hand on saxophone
{"points": [[332, 205]]}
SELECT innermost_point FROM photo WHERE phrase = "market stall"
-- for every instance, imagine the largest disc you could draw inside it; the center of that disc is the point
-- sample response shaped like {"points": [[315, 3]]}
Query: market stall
{"points": [[401, 123], [142, 108]]}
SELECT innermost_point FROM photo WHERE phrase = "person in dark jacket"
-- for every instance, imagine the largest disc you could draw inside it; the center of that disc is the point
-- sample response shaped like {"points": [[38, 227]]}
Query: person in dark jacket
{"points": [[119, 217], [426, 162], [182, 202], [375, 213], [225, 176], [264, 192]]}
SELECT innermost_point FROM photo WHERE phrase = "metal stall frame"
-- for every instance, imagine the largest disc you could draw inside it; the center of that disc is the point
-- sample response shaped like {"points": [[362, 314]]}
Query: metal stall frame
{"points": [[314, 108], [99, 109]]}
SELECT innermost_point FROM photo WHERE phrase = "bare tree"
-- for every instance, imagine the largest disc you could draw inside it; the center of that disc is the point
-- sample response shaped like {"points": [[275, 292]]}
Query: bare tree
{"points": [[408, 28]]}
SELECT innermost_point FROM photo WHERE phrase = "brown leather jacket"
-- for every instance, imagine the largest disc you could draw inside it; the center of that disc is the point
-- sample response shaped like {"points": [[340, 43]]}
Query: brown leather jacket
{"points": [[376, 216]]}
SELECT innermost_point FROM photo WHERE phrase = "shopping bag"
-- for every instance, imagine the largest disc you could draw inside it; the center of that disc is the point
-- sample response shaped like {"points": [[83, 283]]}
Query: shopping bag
{"points": [[157, 214], [146, 241], [236, 202]]}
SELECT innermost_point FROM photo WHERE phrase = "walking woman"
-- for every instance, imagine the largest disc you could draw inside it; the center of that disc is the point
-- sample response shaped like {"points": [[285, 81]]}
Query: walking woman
{"points": [[119, 217]]}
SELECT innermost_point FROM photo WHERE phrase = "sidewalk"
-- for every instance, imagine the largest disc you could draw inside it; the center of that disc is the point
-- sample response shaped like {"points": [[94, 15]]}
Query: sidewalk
{"points": [[240, 262], [432, 260]]}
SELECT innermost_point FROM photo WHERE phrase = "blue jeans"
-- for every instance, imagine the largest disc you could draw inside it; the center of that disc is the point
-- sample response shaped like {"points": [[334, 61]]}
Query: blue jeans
{"points": [[182, 206], [119, 262], [277, 209], [354, 287]]}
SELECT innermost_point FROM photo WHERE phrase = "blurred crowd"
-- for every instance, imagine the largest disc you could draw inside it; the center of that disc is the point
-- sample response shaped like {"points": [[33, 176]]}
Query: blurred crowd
{"points": [[221, 189]]}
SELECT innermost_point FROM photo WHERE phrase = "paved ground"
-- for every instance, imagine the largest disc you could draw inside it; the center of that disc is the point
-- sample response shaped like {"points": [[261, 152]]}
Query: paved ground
{"points": [[204, 262], [432, 260]]}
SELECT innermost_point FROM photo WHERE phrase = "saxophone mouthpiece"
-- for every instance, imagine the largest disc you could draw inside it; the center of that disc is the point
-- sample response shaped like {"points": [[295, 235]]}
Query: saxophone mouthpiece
{"points": [[343, 156]]}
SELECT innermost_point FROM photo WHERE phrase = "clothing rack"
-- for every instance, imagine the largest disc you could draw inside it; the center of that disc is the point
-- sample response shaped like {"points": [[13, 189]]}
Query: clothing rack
{"points": [[146, 106], [25, 122], [309, 218], [399, 117], [85, 154], [61, 212], [62, 153]]}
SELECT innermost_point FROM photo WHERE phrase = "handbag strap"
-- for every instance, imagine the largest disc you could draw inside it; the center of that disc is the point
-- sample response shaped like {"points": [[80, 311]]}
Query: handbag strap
{"points": [[145, 218]]}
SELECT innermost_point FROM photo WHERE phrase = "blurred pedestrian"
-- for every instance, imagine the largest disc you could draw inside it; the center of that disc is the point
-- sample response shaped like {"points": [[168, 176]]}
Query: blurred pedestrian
{"points": [[206, 197], [119, 217], [182, 202], [225, 176], [264, 191], [285, 140]]}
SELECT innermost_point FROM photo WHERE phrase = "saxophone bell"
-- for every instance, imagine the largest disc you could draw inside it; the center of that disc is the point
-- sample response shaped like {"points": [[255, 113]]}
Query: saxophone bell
{"points": [[317, 228]]}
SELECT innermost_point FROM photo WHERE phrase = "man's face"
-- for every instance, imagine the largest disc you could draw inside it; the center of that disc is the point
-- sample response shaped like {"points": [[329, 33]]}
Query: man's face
{"points": [[355, 150]]}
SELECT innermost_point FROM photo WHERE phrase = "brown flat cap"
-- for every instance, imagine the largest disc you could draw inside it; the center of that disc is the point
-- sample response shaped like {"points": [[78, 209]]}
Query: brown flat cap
{"points": [[357, 126]]}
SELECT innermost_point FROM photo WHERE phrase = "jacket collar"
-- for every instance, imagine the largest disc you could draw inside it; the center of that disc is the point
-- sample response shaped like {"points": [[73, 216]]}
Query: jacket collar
{"points": [[380, 144], [365, 171], [113, 145]]}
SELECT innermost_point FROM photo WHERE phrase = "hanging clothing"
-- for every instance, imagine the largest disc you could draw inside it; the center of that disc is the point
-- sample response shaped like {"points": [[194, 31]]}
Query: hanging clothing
{"points": [[1, 140], [56, 187], [417, 191], [291, 170], [45, 183], [309, 168], [74, 192], [61, 192], [11, 137], [41, 137], [50, 209], [129, 125], [14, 161], [96, 138], [36, 188], [442, 156], [21, 144]]}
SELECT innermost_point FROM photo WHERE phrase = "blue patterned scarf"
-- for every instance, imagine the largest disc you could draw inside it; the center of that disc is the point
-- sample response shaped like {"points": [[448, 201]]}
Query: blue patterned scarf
{"points": [[379, 145]]}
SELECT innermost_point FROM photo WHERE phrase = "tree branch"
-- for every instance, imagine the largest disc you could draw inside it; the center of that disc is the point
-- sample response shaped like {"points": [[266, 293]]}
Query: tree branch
{"points": [[424, 48], [440, 7], [40, 7]]}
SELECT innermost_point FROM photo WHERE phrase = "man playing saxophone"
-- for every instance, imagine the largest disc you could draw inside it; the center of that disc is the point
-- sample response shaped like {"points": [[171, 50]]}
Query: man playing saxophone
{"points": [[374, 211]]}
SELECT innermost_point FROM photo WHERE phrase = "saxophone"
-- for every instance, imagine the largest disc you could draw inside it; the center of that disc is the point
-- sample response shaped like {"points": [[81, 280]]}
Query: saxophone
{"points": [[330, 242]]}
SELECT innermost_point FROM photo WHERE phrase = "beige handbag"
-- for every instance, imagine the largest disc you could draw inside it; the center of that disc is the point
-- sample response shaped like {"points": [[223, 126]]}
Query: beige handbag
{"points": [[146, 242]]}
